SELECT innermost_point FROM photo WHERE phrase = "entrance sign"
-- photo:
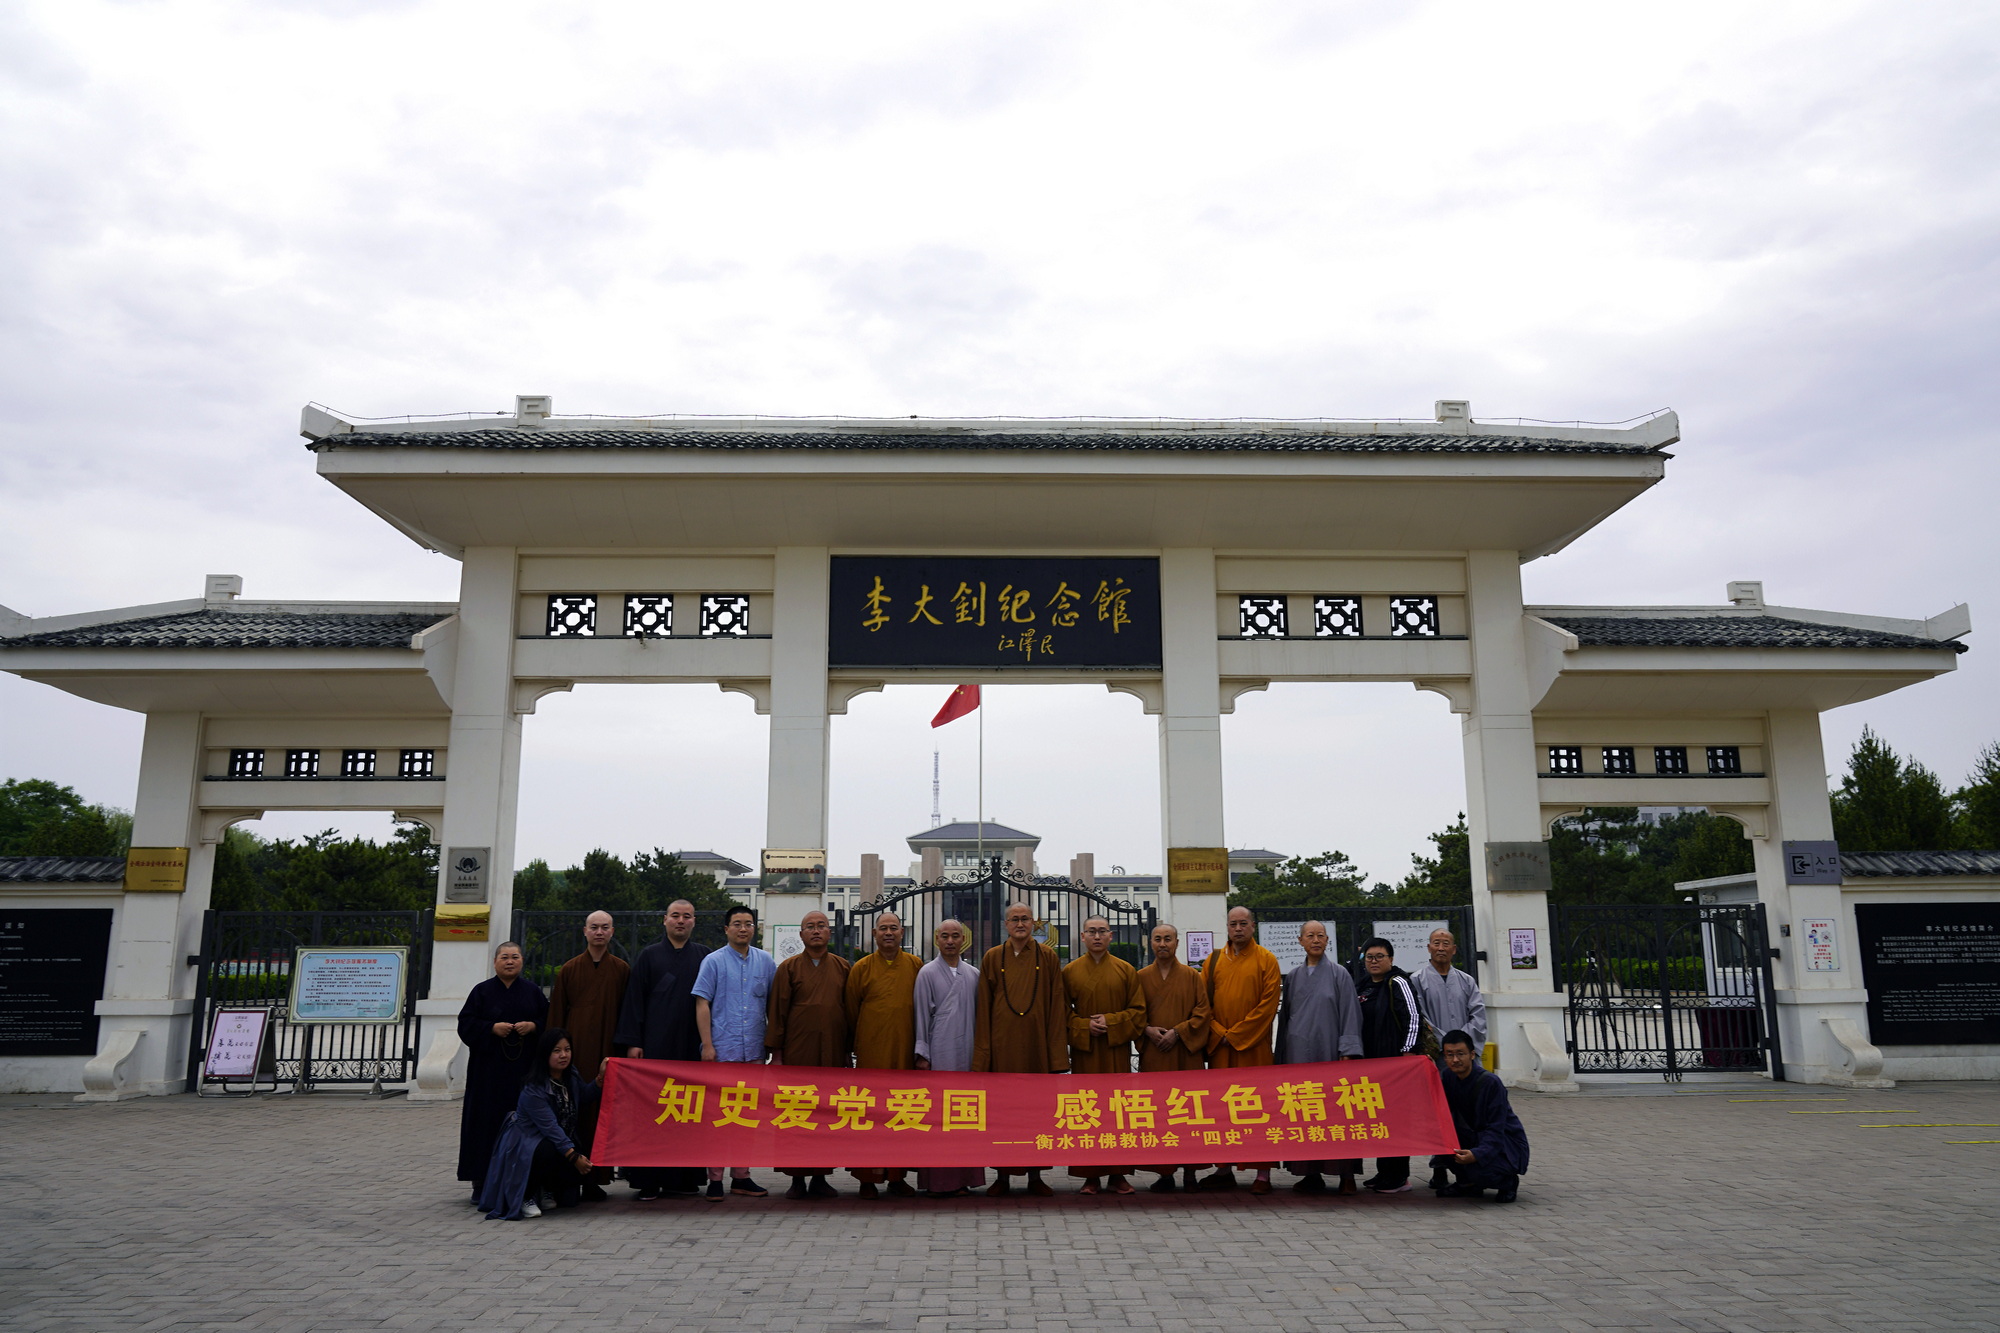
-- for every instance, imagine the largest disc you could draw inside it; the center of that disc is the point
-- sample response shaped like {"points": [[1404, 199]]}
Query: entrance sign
{"points": [[1197, 870], [1517, 867], [1822, 944], [1812, 862], [680, 1113], [465, 874], [349, 985], [1412, 940], [1932, 971], [156, 870], [235, 1043], [994, 611], [794, 870], [51, 978]]}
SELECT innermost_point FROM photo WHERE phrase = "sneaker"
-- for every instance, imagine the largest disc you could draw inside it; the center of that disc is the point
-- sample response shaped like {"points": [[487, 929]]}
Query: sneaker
{"points": [[715, 1191], [747, 1187], [529, 1209], [1381, 1186]]}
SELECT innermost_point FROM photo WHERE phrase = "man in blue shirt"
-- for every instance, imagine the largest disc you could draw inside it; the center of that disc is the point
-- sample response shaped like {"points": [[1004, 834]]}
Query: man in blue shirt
{"points": [[731, 992]]}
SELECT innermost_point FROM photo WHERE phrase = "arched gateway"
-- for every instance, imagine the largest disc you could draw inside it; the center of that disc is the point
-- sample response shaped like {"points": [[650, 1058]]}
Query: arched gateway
{"points": [[803, 562]]}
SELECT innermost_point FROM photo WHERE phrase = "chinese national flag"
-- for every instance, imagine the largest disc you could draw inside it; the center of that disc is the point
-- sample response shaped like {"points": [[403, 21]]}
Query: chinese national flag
{"points": [[963, 700]]}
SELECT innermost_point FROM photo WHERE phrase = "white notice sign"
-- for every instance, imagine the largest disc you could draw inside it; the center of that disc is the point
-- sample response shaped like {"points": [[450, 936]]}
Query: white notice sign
{"points": [[785, 942], [349, 985], [1282, 939], [1412, 940], [1822, 945], [235, 1043], [1200, 944]]}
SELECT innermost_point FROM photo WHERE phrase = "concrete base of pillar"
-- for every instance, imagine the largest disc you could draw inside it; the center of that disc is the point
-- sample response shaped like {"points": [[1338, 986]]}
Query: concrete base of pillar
{"points": [[1527, 1026], [441, 1067]]}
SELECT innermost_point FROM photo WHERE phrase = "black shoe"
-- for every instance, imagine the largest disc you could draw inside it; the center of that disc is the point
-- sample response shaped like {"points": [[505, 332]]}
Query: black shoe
{"points": [[1188, 1180], [1507, 1192], [1458, 1192], [820, 1189], [1221, 1180], [747, 1187], [1312, 1182], [650, 1194], [1164, 1185], [1439, 1179], [798, 1189], [594, 1193], [715, 1191]]}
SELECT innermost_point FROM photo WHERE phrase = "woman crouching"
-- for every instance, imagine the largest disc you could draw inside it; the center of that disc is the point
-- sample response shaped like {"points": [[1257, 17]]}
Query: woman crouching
{"points": [[536, 1152]]}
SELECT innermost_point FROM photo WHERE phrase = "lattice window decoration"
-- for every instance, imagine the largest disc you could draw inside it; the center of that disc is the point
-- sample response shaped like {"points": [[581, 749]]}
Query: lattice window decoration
{"points": [[1337, 617], [1413, 617], [357, 763], [246, 763], [302, 763], [725, 616], [572, 615], [1620, 761], [1261, 617], [1725, 761], [418, 764], [1670, 760], [1565, 759], [649, 616]]}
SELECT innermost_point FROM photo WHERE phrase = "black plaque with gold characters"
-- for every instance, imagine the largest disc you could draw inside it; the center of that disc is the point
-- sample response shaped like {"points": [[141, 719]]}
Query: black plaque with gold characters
{"points": [[1039, 612], [1932, 972], [51, 978]]}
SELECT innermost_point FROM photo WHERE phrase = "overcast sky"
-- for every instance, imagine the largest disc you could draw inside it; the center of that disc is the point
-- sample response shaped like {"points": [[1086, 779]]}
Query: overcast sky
{"points": [[1777, 219]]}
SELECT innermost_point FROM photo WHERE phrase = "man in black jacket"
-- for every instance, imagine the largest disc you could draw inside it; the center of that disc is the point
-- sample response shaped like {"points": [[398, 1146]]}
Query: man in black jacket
{"points": [[657, 1023], [1391, 1025]]}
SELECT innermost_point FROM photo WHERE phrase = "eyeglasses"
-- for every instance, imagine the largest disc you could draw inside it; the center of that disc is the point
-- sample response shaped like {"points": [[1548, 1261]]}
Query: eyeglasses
{"points": [[1376, 957]]}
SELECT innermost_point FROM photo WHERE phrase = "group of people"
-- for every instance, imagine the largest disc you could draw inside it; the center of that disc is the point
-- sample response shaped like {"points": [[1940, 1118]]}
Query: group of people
{"points": [[531, 1097]]}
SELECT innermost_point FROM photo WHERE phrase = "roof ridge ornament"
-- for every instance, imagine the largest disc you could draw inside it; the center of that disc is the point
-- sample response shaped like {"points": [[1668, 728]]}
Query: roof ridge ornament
{"points": [[532, 409]]}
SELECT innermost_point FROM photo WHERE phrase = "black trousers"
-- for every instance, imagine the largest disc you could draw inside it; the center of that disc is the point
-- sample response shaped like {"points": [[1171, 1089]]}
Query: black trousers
{"points": [[551, 1173], [1478, 1176], [1392, 1169]]}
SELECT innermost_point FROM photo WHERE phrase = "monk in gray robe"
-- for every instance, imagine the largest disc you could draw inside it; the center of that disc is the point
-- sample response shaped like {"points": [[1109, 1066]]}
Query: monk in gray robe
{"points": [[947, 1003], [1320, 1020]]}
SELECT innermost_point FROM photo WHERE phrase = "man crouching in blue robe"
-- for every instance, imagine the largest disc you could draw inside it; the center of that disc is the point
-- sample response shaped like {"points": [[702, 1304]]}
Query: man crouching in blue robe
{"points": [[1492, 1145]]}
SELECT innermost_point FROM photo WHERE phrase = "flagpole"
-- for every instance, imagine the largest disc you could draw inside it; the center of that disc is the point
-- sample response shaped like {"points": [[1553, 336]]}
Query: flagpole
{"points": [[981, 833]]}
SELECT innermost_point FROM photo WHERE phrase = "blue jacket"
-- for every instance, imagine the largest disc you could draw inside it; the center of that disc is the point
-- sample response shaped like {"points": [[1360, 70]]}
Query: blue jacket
{"points": [[532, 1122]]}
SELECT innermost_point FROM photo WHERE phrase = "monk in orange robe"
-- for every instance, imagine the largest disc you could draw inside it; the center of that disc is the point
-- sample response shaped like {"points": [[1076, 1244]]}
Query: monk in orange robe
{"points": [[805, 1023], [1106, 1011], [1022, 1024], [1243, 983], [1176, 1032], [882, 1014]]}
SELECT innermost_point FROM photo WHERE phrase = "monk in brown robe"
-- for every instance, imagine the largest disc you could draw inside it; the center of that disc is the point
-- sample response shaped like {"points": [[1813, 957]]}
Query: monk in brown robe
{"points": [[1176, 1033], [1106, 1011], [588, 993], [882, 1014], [1243, 983], [805, 1023], [1022, 1026]]}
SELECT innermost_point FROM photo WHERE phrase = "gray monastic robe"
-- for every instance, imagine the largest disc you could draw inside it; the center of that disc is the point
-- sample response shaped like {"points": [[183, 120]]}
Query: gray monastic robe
{"points": [[1321, 1020], [947, 1001]]}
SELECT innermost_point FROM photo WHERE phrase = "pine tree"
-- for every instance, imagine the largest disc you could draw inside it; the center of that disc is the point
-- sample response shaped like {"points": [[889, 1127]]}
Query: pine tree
{"points": [[1978, 803], [1889, 804]]}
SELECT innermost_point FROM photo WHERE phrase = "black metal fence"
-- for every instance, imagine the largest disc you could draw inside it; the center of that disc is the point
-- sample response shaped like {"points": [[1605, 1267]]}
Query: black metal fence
{"points": [[246, 963], [550, 939], [1668, 989], [980, 903]]}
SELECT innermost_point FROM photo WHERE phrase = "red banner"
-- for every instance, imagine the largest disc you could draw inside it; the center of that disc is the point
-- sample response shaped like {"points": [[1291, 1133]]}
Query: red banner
{"points": [[674, 1113]]}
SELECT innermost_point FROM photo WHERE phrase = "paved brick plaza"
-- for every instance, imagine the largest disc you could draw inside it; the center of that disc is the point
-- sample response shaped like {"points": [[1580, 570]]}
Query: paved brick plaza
{"points": [[1646, 1209]]}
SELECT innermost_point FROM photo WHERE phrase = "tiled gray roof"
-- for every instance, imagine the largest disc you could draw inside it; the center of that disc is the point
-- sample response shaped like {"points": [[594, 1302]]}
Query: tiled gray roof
{"points": [[1875, 865], [968, 831], [241, 629], [1729, 632], [61, 869], [1092, 441]]}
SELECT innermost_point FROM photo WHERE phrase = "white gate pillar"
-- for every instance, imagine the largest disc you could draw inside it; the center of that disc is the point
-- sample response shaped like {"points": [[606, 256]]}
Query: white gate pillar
{"points": [[1190, 728], [481, 789], [796, 804], [144, 1018], [1504, 805], [1814, 1008]]}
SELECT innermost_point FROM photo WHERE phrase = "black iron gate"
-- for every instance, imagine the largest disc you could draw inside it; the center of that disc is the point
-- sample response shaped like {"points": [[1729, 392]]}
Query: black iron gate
{"points": [[548, 939], [980, 903], [1667, 989], [246, 963]]}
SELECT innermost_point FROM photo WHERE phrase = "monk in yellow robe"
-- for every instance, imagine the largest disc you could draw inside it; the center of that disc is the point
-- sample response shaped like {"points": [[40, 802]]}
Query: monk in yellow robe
{"points": [[882, 1013], [1106, 1011], [1176, 1032], [805, 1023], [1022, 1023], [1243, 983]]}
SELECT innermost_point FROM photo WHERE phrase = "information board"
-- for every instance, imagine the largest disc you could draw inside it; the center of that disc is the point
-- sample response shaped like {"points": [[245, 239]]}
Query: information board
{"points": [[1282, 939], [51, 978], [235, 1042], [1932, 971], [1412, 940], [1049, 613], [349, 985]]}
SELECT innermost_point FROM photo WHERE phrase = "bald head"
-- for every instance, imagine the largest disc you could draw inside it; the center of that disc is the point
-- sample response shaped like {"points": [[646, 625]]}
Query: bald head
{"points": [[815, 931], [950, 940], [1242, 928], [680, 922], [1097, 936], [1312, 936], [1166, 943], [597, 934], [888, 934]]}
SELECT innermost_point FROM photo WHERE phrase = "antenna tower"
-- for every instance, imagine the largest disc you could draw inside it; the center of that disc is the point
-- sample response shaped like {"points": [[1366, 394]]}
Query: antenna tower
{"points": [[937, 817]]}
